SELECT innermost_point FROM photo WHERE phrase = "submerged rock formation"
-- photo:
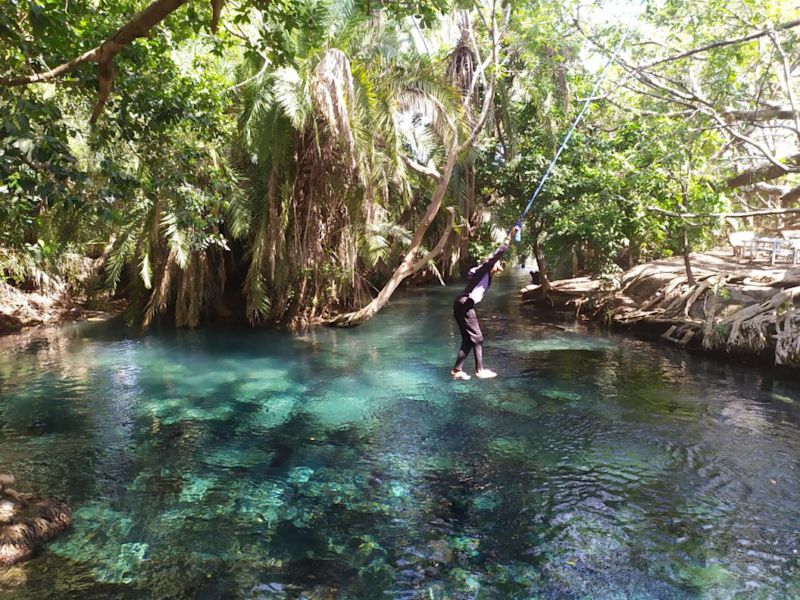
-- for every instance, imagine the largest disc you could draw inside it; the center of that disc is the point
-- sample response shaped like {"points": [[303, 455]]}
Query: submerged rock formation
{"points": [[27, 522], [732, 307]]}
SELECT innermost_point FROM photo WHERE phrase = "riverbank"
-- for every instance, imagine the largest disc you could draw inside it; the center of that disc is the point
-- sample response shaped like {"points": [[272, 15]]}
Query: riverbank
{"points": [[733, 306], [21, 310]]}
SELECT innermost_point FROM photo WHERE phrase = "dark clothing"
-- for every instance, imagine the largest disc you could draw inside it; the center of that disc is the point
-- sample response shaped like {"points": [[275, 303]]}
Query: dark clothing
{"points": [[484, 270], [464, 313], [478, 281], [471, 334]]}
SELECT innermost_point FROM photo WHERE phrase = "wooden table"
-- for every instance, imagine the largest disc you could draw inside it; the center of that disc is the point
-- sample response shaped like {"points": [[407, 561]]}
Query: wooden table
{"points": [[774, 247]]}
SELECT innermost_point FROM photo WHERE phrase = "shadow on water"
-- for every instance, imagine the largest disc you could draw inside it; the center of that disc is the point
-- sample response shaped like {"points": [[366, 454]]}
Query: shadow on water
{"points": [[344, 463]]}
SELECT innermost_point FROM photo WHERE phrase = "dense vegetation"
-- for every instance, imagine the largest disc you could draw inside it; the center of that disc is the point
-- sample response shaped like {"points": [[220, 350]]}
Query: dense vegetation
{"points": [[290, 162]]}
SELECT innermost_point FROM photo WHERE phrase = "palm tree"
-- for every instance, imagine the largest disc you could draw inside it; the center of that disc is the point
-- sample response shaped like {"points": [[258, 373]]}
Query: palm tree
{"points": [[170, 238], [458, 142], [326, 157]]}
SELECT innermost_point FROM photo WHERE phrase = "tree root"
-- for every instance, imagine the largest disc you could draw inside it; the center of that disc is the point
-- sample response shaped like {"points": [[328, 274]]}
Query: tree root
{"points": [[28, 521], [771, 326]]}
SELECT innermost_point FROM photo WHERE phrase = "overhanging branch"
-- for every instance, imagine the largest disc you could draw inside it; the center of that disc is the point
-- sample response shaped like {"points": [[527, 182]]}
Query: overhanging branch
{"points": [[791, 195], [766, 172], [728, 215], [137, 27], [721, 44], [761, 114], [103, 55], [422, 169]]}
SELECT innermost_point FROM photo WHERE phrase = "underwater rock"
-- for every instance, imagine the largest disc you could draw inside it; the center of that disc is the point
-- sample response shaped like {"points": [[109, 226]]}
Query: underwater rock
{"points": [[12, 577], [27, 522], [102, 541]]}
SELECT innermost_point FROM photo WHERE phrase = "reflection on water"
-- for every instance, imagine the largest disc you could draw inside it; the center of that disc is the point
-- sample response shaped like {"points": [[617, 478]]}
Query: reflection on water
{"points": [[345, 463]]}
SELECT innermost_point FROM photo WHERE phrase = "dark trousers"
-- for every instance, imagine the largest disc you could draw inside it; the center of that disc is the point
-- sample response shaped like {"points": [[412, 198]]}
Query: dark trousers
{"points": [[471, 335]]}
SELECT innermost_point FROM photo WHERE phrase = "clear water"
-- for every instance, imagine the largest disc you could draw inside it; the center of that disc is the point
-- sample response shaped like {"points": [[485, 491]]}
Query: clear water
{"points": [[345, 464]]}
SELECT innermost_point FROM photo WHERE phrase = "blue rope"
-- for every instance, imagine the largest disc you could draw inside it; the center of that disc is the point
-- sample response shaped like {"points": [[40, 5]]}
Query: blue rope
{"points": [[571, 129]]}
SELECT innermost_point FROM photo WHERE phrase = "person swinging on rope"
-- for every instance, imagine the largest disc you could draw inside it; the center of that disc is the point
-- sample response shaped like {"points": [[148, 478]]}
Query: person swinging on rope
{"points": [[481, 277], [478, 281]]}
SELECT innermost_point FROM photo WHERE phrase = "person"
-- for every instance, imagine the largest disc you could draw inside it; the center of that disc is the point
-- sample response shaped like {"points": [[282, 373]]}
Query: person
{"points": [[478, 281]]}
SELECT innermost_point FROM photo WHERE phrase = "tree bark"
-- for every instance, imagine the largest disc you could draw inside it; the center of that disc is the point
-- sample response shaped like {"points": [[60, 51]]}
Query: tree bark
{"points": [[408, 267], [766, 172], [785, 113], [574, 262], [686, 258], [540, 263], [790, 196]]}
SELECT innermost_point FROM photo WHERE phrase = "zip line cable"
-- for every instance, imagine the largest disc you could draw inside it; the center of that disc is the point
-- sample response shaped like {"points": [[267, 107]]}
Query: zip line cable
{"points": [[572, 127]]}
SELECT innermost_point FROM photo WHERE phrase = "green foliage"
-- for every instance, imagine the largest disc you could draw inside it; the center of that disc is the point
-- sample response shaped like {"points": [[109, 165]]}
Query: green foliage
{"points": [[285, 136], [321, 147]]}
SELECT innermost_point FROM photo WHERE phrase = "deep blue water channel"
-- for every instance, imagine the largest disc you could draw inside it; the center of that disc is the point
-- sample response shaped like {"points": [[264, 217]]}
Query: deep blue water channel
{"points": [[232, 463]]}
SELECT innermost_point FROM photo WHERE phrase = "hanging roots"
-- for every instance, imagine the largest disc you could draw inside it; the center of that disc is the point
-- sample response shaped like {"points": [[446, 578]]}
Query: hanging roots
{"points": [[27, 522], [722, 312]]}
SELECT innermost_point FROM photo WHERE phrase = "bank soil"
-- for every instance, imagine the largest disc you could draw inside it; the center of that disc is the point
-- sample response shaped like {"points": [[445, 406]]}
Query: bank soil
{"points": [[20, 310]]}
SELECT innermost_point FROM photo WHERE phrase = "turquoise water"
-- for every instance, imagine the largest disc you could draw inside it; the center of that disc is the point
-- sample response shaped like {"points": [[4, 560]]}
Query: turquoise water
{"points": [[230, 463]]}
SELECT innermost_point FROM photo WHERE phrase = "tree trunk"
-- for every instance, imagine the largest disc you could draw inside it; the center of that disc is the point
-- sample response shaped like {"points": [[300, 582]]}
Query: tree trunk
{"points": [[410, 264], [537, 252], [574, 262], [686, 260]]}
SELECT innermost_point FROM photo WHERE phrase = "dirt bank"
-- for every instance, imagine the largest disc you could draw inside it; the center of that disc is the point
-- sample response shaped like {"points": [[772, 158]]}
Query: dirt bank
{"points": [[733, 306], [20, 310]]}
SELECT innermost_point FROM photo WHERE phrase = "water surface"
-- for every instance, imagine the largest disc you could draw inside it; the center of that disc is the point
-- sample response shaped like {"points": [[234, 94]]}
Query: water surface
{"points": [[231, 463]]}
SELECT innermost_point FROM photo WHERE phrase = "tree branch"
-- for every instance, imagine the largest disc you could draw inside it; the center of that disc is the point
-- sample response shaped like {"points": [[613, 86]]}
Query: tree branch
{"points": [[690, 97], [216, 11], [774, 191], [103, 55], [106, 71], [784, 113], [438, 248], [424, 170], [787, 79], [731, 215], [721, 44], [89, 56], [488, 98], [790, 196], [765, 172], [137, 27]]}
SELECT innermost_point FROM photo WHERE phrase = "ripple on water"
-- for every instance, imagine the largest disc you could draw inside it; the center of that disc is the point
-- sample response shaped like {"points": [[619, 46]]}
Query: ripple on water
{"points": [[557, 343]]}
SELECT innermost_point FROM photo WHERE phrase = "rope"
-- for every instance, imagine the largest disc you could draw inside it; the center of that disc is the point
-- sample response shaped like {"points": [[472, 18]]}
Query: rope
{"points": [[572, 128]]}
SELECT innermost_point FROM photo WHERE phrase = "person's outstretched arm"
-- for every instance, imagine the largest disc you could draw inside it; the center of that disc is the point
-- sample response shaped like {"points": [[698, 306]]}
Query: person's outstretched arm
{"points": [[487, 265]]}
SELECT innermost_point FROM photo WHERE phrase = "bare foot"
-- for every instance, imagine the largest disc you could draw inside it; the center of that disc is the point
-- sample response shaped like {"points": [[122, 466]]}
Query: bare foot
{"points": [[485, 374], [460, 375]]}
